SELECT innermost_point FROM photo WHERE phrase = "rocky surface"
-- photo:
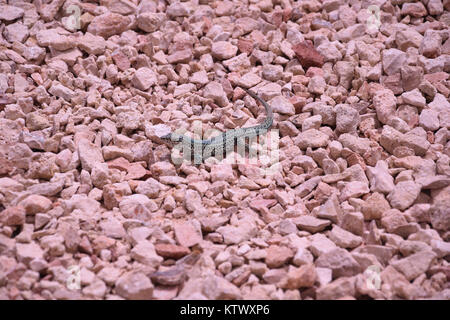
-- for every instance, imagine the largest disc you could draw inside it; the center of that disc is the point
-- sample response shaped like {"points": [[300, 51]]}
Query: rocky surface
{"points": [[93, 207]]}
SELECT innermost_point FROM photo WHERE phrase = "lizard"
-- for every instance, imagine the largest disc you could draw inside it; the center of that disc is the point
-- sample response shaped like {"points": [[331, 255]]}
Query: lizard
{"points": [[226, 141]]}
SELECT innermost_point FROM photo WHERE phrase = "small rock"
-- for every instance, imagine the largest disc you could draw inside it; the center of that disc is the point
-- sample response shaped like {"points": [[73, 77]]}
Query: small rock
{"points": [[441, 248], [303, 277], [347, 118], [16, 32], [431, 44], [435, 7], [385, 103], [108, 24], [398, 283], [340, 288], [354, 189], [90, 155], [36, 204], [277, 256], [340, 261], [320, 244], [171, 251], [10, 13], [92, 44], [382, 253], [303, 256], [282, 105], [61, 91], [222, 172], [404, 194], [181, 56], [150, 21], [414, 265], [429, 120], [223, 50], [144, 78], [186, 234], [379, 177], [374, 206], [317, 85], [343, 238], [13, 216], [393, 60], [416, 9], [311, 224], [134, 286], [26, 252], [136, 206], [391, 219], [177, 9], [312, 138], [171, 277], [434, 182], [353, 222], [308, 55], [145, 253], [414, 98], [214, 91]]}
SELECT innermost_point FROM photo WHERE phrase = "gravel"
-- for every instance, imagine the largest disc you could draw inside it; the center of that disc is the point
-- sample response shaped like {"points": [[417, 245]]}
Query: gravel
{"points": [[94, 206]]}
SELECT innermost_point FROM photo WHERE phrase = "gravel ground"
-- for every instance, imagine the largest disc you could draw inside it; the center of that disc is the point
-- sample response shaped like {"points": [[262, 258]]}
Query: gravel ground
{"points": [[93, 207]]}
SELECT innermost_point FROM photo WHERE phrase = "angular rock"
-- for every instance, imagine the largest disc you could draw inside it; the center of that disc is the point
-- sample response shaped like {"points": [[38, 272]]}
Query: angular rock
{"points": [[90, 155], [144, 78], [343, 238], [134, 286], [414, 265], [340, 288], [429, 120], [311, 224], [312, 138], [320, 245], [214, 91], [145, 253], [108, 24], [340, 261], [404, 194], [223, 50], [379, 177], [277, 256], [171, 251], [26, 252], [136, 206], [92, 44], [282, 105], [303, 277], [414, 98], [13, 216], [308, 55], [10, 13], [36, 204], [393, 60], [385, 104], [374, 206], [186, 234], [150, 21]]}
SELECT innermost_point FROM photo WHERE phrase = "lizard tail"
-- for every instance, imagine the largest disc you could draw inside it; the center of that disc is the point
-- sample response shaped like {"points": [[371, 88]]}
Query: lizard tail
{"points": [[269, 113]]}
